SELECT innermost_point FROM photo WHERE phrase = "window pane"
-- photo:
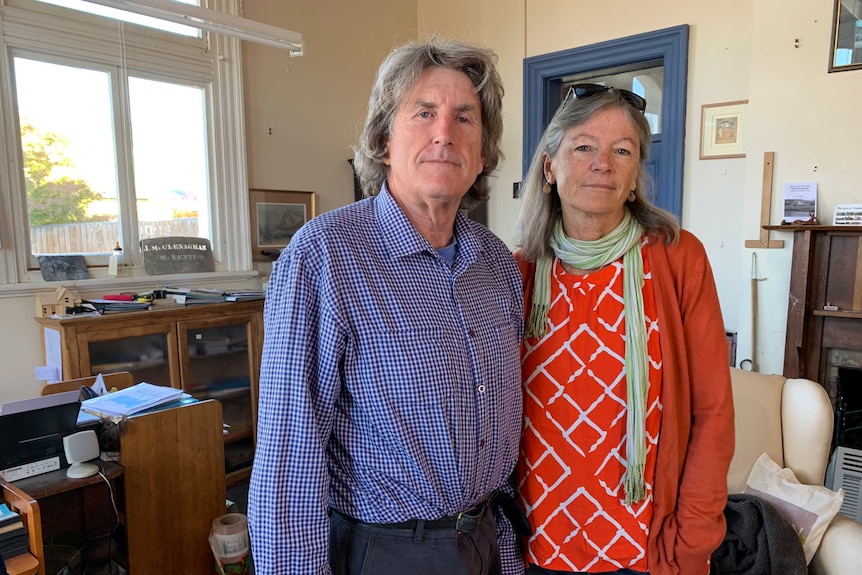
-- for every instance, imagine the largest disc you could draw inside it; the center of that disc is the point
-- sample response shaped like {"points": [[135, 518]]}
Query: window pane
{"points": [[169, 142], [646, 82], [131, 17], [69, 160]]}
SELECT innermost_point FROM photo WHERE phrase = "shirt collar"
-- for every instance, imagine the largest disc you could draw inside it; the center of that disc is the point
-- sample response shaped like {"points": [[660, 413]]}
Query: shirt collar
{"points": [[402, 239]]}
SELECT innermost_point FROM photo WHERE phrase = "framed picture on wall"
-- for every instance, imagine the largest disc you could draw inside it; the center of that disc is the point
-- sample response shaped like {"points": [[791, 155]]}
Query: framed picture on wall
{"points": [[276, 215], [722, 130]]}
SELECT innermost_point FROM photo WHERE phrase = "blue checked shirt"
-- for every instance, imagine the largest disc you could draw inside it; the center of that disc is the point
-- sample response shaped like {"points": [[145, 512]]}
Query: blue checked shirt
{"points": [[390, 382]]}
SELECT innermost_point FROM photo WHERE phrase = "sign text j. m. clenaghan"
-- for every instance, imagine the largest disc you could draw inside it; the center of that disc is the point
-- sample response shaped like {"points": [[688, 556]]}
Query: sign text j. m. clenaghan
{"points": [[175, 255]]}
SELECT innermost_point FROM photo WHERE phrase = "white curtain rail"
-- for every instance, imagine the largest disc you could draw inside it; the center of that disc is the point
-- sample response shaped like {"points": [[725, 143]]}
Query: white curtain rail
{"points": [[212, 21]]}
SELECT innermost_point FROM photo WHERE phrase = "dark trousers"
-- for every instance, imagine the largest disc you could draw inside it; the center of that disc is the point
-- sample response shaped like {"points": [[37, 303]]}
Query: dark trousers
{"points": [[357, 548], [533, 570]]}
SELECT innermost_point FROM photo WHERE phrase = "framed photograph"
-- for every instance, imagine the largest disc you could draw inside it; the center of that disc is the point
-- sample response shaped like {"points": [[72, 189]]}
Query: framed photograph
{"points": [[276, 215], [722, 130]]}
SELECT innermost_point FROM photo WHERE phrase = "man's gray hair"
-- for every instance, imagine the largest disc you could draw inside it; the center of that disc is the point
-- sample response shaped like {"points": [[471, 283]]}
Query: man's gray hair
{"points": [[397, 75]]}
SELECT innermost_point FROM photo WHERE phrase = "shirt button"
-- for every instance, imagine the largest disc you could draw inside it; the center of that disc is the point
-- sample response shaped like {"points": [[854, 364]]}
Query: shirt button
{"points": [[481, 388], [481, 443], [471, 333]]}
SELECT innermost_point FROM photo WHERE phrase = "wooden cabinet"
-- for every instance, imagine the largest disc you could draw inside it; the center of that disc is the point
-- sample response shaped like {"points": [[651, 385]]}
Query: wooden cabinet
{"points": [[211, 351]]}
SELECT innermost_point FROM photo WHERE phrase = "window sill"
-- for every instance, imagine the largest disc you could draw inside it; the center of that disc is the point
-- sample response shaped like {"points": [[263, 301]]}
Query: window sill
{"points": [[133, 283]]}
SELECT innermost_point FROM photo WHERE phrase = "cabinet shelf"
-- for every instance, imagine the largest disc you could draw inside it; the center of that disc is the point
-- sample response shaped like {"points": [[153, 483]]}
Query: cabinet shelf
{"points": [[237, 435], [802, 228], [127, 365], [855, 314], [221, 394], [223, 354]]}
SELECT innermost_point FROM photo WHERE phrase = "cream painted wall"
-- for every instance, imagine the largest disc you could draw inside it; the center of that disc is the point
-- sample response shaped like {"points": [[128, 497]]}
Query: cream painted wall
{"points": [[315, 104], [20, 349], [742, 49]]}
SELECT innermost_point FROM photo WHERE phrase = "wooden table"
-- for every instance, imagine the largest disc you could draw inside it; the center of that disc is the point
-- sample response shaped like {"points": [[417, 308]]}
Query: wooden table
{"points": [[82, 506]]}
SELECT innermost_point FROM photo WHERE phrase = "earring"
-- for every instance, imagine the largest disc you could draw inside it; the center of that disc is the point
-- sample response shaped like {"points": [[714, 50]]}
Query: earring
{"points": [[632, 196], [546, 188]]}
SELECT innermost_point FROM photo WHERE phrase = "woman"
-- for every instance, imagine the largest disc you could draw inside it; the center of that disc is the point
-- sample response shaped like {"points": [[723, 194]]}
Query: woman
{"points": [[628, 410]]}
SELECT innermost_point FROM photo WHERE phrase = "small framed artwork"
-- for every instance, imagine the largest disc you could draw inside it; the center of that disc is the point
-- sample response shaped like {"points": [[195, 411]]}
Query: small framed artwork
{"points": [[722, 130], [276, 215]]}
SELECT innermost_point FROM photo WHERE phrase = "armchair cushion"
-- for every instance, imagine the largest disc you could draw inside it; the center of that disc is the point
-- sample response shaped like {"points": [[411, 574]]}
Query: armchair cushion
{"points": [[757, 416], [807, 421]]}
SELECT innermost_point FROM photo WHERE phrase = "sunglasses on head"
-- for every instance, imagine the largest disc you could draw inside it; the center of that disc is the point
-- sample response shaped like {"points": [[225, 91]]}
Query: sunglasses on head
{"points": [[587, 90]]}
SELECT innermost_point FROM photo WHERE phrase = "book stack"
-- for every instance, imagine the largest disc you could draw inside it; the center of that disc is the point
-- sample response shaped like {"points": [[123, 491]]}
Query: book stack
{"points": [[189, 296], [116, 306], [244, 295], [13, 534]]}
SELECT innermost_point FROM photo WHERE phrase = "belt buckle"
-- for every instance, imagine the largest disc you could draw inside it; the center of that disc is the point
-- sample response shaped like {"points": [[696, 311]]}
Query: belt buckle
{"points": [[458, 519], [479, 509]]}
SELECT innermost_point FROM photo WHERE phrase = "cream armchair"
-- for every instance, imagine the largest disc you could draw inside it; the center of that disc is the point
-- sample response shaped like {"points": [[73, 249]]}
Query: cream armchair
{"points": [[792, 420]]}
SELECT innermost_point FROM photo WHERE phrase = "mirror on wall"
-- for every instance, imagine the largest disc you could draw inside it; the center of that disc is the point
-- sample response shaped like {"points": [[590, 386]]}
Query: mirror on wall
{"points": [[846, 53]]}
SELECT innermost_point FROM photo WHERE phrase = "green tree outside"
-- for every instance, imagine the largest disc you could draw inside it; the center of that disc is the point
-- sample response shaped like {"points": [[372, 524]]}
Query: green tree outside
{"points": [[53, 197]]}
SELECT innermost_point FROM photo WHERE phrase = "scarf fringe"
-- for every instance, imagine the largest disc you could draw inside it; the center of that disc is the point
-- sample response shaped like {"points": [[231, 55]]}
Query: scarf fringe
{"points": [[536, 325], [634, 485]]}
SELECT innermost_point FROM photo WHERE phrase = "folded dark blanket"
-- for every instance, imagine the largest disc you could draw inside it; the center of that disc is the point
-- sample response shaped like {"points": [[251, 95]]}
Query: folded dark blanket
{"points": [[758, 541]]}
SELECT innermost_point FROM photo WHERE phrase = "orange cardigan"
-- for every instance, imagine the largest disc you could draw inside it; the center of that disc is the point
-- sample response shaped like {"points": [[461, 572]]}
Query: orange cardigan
{"points": [[696, 441]]}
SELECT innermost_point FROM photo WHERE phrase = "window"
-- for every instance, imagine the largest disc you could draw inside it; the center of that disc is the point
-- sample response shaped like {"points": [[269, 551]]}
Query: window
{"points": [[116, 130], [83, 6]]}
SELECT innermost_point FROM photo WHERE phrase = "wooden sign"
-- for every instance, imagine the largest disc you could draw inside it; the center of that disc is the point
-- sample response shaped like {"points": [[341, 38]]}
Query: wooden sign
{"points": [[177, 255]]}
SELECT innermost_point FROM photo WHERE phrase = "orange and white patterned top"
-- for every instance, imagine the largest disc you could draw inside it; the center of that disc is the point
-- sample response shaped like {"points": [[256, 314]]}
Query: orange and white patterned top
{"points": [[570, 475]]}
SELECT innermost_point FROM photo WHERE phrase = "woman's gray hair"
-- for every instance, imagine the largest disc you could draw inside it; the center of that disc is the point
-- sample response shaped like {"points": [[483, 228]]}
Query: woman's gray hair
{"points": [[539, 211], [397, 75]]}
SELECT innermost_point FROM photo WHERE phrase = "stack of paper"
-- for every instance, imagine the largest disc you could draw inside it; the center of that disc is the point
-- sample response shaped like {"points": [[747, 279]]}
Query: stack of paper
{"points": [[191, 296], [131, 400], [244, 295], [115, 306]]}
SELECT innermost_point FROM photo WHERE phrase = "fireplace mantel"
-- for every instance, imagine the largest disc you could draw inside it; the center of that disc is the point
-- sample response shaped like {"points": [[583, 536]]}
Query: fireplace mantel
{"points": [[824, 308]]}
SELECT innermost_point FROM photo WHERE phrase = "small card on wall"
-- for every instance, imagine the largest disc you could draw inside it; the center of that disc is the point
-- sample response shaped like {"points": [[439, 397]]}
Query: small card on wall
{"points": [[800, 202]]}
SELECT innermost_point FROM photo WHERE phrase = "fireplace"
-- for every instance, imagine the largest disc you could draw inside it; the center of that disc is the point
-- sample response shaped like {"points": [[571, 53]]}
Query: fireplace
{"points": [[848, 407], [824, 313]]}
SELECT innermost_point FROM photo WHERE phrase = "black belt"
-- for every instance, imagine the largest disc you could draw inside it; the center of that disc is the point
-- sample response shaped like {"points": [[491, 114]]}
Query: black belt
{"points": [[464, 521]]}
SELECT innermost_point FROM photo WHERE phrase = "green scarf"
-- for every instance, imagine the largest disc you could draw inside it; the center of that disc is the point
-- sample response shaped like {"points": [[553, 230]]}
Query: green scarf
{"points": [[625, 242]]}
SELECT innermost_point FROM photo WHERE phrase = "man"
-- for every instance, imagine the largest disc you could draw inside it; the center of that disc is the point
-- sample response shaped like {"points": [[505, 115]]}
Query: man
{"points": [[390, 402]]}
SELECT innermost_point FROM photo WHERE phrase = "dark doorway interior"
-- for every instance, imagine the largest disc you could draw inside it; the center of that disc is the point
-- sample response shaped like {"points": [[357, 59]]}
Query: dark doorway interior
{"points": [[848, 408]]}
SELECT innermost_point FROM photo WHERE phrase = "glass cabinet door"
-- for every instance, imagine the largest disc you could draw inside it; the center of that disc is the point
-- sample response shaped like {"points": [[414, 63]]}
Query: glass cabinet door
{"points": [[145, 352], [220, 367]]}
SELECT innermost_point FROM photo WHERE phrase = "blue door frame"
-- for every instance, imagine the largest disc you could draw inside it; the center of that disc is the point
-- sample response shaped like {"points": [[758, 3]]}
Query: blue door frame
{"points": [[543, 78]]}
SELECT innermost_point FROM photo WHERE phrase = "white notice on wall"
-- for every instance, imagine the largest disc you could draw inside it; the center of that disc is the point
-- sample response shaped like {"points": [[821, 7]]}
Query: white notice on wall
{"points": [[53, 369], [53, 349], [800, 202]]}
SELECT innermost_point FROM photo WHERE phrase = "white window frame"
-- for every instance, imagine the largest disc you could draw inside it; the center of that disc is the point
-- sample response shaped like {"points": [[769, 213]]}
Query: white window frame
{"points": [[33, 29]]}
